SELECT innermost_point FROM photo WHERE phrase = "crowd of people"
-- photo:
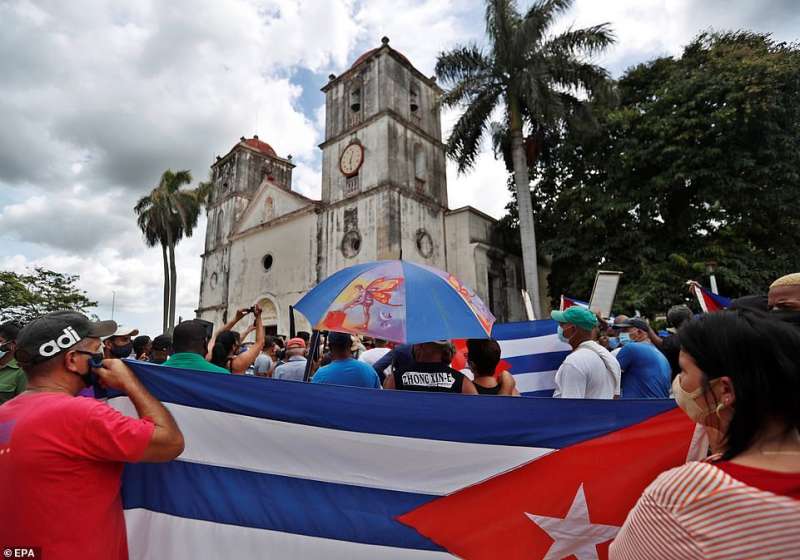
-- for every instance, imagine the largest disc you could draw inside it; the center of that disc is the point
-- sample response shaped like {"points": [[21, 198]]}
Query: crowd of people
{"points": [[734, 372]]}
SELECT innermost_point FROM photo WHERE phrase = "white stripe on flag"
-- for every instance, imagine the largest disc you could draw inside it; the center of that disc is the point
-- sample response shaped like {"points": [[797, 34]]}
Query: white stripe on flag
{"points": [[535, 345], [154, 536], [536, 381], [417, 465]]}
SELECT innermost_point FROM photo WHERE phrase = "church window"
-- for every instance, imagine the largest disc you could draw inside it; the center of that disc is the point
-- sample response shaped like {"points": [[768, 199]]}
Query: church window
{"points": [[413, 95], [220, 227], [424, 243], [355, 99], [266, 262], [420, 171], [267, 171], [351, 244], [213, 280], [352, 185]]}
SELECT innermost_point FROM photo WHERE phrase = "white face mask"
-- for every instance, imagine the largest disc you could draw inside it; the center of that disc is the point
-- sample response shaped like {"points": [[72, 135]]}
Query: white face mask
{"points": [[688, 403]]}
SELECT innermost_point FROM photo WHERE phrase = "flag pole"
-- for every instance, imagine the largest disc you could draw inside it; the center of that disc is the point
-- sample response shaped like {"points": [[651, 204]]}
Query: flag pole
{"points": [[292, 332], [312, 353]]}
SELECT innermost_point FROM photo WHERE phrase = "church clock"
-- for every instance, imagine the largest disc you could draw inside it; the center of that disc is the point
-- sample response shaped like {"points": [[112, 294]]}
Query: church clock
{"points": [[351, 159]]}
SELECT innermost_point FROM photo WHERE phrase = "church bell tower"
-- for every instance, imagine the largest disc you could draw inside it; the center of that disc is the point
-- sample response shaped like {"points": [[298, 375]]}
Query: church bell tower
{"points": [[384, 187]]}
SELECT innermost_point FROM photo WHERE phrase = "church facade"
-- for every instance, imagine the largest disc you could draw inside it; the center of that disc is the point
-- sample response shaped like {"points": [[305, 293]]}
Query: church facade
{"points": [[384, 196]]}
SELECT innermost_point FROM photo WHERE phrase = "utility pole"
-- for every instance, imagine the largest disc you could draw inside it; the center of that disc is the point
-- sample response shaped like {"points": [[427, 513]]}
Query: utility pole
{"points": [[113, 303]]}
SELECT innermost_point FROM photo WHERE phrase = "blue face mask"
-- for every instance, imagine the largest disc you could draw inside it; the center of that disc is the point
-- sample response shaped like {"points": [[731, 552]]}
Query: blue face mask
{"points": [[613, 342], [561, 336], [625, 338]]}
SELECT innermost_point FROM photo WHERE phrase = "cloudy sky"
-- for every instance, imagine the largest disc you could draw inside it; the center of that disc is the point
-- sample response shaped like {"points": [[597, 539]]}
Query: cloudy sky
{"points": [[97, 98]]}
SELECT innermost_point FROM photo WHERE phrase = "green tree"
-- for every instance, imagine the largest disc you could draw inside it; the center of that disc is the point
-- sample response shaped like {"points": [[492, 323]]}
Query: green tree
{"points": [[24, 297], [700, 161], [165, 216], [536, 78]]}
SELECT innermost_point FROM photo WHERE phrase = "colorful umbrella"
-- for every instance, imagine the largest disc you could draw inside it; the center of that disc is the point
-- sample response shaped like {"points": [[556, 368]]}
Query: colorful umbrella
{"points": [[398, 301]]}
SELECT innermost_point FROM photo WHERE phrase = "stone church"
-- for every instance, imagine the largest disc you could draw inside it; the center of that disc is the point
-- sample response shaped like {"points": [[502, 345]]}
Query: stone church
{"points": [[384, 196]]}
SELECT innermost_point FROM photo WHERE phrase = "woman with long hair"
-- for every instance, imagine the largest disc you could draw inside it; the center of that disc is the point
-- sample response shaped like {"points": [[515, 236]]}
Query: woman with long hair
{"points": [[740, 378], [225, 346]]}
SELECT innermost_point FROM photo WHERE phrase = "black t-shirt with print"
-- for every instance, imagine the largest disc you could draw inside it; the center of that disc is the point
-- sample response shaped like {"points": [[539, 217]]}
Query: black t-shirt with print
{"points": [[438, 378]]}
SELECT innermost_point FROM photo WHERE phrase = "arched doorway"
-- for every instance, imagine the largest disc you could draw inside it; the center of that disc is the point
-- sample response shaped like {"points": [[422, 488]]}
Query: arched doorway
{"points": [[269, 315]]}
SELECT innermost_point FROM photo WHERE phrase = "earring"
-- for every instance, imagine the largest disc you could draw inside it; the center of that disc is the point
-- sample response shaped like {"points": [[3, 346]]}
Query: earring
{"points": [[720, 406]]}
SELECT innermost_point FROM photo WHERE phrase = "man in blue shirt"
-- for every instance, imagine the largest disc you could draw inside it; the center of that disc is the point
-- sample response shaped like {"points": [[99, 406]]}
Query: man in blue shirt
{"points": [[646, 373], [344, 369]]}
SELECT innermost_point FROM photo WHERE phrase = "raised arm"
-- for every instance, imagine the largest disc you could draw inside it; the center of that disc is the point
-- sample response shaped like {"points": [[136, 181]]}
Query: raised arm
{"points": [[654, 338], [243, 361], [226, 327]]}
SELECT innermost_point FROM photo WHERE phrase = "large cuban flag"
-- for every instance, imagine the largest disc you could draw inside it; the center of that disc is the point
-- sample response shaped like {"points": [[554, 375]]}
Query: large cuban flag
{"points": [[532, 353], [280, 469]]}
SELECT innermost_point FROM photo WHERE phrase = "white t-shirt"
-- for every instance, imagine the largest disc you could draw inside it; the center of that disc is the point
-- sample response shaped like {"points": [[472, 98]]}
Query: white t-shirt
{"points": [[585, 375], [373, 355]]}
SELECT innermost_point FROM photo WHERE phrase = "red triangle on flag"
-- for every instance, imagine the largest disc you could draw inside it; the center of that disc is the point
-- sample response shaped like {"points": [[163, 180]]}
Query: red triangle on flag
{"points": [[489, 521]]}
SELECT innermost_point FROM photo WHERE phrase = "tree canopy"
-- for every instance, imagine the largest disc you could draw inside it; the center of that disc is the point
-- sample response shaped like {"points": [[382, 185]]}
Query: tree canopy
{"points": [[699, 161], [24, 297]]}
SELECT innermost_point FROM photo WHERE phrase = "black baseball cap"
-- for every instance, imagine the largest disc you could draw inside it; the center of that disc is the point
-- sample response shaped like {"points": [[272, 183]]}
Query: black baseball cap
{"points": [[51, 334], [634, 322]]}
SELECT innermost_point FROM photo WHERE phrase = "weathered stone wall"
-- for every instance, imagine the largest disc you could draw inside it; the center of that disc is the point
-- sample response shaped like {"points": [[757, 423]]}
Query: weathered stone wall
{"points": [[292, 246]]}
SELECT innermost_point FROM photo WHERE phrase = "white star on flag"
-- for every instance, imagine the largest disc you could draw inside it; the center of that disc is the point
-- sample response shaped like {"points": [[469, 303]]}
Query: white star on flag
{"points": [[574, 534]]}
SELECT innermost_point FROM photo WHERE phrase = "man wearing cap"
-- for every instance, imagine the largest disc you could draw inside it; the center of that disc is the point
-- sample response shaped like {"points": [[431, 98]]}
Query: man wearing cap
{"points": [[646, 373], [294, 368], [161, 349], [120, 344], [344, 369], [12, 378], [189, 344], [590, 371], [61, 456], [783, 299], [429, 371]]}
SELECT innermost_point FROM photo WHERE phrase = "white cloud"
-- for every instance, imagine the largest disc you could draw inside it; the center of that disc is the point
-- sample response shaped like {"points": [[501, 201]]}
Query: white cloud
{"points": [[99, 97], [133, 279], [419, 29]]}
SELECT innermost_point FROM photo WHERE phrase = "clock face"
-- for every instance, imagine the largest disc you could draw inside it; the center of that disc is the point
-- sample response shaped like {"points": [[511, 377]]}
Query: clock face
{"points": [[351, 160]]}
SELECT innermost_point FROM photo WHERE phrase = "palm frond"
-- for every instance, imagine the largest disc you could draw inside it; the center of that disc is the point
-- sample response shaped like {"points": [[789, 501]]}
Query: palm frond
{"points": [[502, 18], [533, 26], [464, 141], [462, 63], [577, 42], [575, 75], [543, 12]]}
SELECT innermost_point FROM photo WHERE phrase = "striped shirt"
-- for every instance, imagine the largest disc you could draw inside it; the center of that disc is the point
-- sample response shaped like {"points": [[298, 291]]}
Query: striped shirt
{"points": [[699, 511]]}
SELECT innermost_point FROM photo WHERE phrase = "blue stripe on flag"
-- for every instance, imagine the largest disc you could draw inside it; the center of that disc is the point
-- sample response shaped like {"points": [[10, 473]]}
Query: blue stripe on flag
{"points": [[524, 329], [280, 503], [546, 361], [436, 416]]}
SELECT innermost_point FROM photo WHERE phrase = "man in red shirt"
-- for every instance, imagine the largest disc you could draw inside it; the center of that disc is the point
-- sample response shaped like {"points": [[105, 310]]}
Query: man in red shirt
{"points": [[61, 456]]}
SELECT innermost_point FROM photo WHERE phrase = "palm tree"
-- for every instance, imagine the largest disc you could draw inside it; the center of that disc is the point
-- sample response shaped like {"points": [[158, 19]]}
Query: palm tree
{"points": [[536, 78], [165, 216]]}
